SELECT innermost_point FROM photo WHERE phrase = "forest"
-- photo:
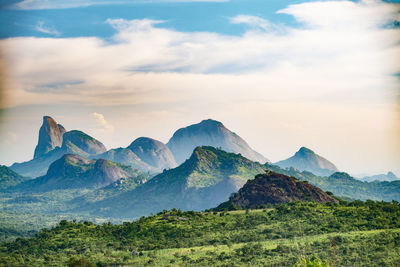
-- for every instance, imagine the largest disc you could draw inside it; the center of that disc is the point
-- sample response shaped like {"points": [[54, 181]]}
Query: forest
{"points": [[331, 234]]}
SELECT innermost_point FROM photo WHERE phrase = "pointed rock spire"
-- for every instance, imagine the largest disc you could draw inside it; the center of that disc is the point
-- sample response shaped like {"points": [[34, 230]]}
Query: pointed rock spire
{"points": [[50, 136]]}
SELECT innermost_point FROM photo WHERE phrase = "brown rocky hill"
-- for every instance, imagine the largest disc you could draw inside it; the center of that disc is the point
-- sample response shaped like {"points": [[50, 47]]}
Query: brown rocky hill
{"points": [[275, 188]]}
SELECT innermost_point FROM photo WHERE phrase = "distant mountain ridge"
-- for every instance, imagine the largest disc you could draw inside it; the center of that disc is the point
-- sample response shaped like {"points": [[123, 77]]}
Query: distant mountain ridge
{"points": [[307, 160], [209, 133], [389, 177]]}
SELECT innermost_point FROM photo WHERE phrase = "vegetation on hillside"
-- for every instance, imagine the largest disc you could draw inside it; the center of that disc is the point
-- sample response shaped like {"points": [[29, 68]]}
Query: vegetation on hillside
{"points": [[349, 233]]}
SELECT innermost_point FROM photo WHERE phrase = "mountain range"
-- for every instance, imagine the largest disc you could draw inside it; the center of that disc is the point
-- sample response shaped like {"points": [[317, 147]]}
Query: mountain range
{"points": [[149, 176], [389, 177], [203, 181]]}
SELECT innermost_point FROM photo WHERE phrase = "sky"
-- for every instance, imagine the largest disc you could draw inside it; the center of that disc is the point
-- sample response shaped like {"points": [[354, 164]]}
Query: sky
{"points": [[281, 74]]}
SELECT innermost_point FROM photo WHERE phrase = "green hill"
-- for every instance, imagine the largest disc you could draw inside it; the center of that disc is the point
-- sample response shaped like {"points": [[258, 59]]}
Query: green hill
{"points": [[9, 178], [73, 171], [203, 181]]}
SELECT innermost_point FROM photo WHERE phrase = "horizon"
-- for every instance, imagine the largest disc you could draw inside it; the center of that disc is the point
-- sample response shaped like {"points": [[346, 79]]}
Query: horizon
{"points": [[282, 74]]}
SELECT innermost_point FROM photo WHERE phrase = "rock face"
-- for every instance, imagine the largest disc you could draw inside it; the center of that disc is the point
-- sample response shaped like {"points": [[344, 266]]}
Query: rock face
{"points": [[50, 136], [83, 142], [306, 160], [153, 152], [209, 133], [203, 181], [389, 177], [74, 142], [73, 171], [274, 188]]}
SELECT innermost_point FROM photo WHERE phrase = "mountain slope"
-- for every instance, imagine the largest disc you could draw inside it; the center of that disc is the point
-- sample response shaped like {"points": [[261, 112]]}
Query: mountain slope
{"points": [[9, 178], [275, 188], [50, 136], [73, 171], [206, 179], [306, 160], [209, 133], [153, 152], [74, 142]]}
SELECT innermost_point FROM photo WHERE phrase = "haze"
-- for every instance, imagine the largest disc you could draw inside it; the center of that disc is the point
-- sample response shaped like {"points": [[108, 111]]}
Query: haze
{"points": [[282, 74]]}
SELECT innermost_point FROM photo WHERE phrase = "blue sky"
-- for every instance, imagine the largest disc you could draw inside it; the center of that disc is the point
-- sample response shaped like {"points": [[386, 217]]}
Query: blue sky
{"points": [[282, 74], [182, 16]]}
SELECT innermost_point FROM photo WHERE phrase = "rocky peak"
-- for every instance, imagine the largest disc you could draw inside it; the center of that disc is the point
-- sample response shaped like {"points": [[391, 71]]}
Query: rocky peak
{"points": [[79, 140], [307, 160], [50, 136], [209, 133], [153, 152]]}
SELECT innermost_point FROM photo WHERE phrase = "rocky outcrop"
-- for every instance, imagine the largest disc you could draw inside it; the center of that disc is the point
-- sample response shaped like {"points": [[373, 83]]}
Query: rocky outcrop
{"points": [[83, 142], [209, 133], [50, 136], [153, 152], [274, 188]]}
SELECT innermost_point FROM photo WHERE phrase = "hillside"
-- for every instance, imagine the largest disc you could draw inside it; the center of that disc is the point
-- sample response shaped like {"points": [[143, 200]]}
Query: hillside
{"points": [[209, 133], [9, 178], [345, 234], [73, 171], [206, 179], [307, 160], [273, 188]]}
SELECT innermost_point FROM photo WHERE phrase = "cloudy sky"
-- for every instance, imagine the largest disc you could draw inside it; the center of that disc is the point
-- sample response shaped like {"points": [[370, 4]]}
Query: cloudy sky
{"points": [[281, 74]]}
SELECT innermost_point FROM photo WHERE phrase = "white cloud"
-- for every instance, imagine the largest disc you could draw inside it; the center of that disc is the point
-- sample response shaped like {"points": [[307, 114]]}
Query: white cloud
{"points": [[339, 65], [253, 21], [101, 121], [41, 27]]}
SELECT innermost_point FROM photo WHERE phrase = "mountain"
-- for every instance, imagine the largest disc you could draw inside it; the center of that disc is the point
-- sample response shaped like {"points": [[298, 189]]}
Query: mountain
{"points": [[73, 171], [389, 177], [209, 133], [80, 143], [74, 142], [275, 188], [306, 160], [145, 154], [203, 181], [127, 157], [9, 178], [153, 152], [50, 136]]}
